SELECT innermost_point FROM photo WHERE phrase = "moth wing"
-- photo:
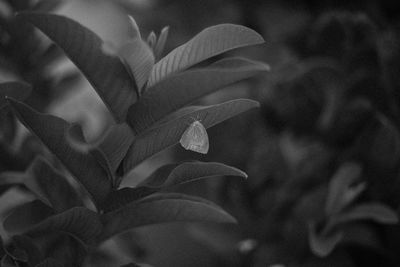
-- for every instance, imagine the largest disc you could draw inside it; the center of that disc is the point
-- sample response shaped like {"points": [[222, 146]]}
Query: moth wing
{"points": [[187, 137], [203, 145]]}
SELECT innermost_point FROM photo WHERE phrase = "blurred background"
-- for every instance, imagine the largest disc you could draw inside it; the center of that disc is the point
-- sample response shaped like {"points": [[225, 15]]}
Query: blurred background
{"points": [[324, 144]]}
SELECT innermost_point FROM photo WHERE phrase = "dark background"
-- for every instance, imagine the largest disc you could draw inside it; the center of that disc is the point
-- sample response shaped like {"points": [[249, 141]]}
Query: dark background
{"points": [[331, 97]]}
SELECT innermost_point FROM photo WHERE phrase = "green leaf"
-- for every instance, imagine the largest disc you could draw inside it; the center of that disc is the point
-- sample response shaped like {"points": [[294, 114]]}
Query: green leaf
{"points": [[51, 186], [169, 132], [26, 216], [79, 222], [162, 208], [116, 143], [340, 193], [168, 176], [210, 42], [323, 245], [189, 172], [75, 138], [126, 195], [152, 40], [16, 90], [104, 71], [139, 58], [51, 131], [181, 89], [370, 211], [134, 28], [109, 149], [162, 40]]}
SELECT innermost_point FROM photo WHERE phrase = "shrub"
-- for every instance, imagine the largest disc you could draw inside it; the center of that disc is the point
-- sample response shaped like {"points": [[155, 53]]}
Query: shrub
{"points": [[149, 98]]}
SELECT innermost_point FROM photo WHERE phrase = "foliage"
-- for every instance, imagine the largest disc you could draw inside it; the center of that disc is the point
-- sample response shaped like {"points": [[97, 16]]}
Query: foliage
{"points": [[25, 63], [149, 102], [324, 163]]}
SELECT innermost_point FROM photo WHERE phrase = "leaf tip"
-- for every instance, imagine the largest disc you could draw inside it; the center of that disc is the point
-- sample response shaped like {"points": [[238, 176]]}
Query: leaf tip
{"points": [[135, 32]]}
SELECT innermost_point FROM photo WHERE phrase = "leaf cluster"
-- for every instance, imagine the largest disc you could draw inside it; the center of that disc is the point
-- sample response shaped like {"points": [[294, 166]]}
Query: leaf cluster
{"points": [[149, 101]]}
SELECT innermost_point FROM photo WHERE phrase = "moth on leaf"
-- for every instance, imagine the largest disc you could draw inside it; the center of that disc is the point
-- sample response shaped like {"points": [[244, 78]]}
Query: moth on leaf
{"points": [[195, 138]]}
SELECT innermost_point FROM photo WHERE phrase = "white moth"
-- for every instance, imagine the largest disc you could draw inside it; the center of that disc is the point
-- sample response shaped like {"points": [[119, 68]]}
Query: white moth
{"points": [[195, 138]]}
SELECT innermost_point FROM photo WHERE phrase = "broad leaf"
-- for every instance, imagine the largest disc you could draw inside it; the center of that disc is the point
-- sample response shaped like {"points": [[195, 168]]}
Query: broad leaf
{"points": [[189, 172], [116, 143], [16, 90], [208, 43], [104, 71], [181, 89], [109, 149], [168, 176], [79, 222], [139, 59], [323, 245], [340, 185], [51, 131], [168, 133], [75, 138], [51, 186], [369, 211], [26, 216], [162, 208], [126, 195]]}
